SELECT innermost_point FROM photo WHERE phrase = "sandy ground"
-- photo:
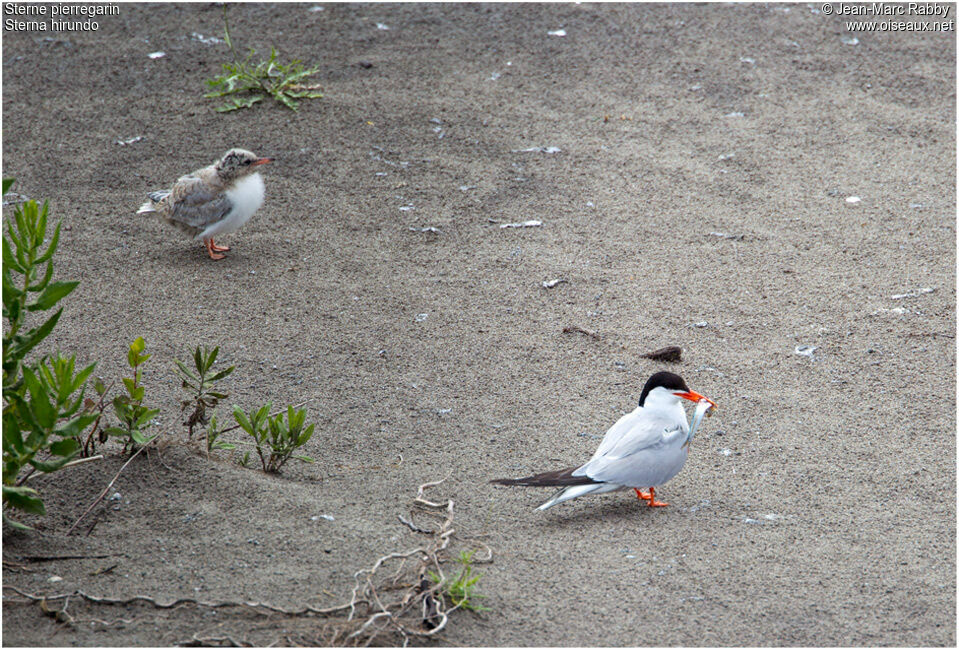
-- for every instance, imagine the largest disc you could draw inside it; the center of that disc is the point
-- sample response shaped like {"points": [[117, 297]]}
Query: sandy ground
{"points": [[817, 508]]}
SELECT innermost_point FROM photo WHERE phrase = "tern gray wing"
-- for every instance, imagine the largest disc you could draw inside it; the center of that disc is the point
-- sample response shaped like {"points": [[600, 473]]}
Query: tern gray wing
{"points": [[643, 455], [193, 203]]}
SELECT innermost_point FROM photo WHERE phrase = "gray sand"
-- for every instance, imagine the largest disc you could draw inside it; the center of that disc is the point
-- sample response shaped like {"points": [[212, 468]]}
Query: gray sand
{"points": [[831, 518]]}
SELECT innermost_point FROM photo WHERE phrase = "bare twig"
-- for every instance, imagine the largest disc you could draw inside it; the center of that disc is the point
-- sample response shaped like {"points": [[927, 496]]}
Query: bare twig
{"points": [[78, 461], [669, 354], [416, 529], [176, 603], [110, 484], [53, 558], [100, 406], [569, 329]]}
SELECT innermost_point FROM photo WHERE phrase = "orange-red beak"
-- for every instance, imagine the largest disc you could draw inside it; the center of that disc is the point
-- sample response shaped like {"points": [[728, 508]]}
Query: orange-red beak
{"points": [[693, 396], [261, 161]]}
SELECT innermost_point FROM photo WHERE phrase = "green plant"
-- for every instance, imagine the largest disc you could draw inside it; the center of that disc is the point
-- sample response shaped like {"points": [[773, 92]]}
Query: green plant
{"points": [[42, 422], [95, 406], [133, 416], [276, 438], [200, 385], [212, 434], [462, 588], [25, 258], [253, 83]]}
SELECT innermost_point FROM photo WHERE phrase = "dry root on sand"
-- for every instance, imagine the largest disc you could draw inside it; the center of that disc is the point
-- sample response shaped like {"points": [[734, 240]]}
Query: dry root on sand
{"points": [[394, 602], [390, 607]]}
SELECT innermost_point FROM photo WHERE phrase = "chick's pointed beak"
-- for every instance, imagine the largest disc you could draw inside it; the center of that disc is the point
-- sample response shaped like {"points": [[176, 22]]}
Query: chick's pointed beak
{"points": [[261, 161], [693, 396]]}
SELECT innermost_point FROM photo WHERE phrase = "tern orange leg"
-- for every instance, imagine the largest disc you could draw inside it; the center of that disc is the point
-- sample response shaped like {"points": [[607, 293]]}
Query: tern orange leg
{"points": [[653, 503], [218, 249], [212, 251], [642, 495]]}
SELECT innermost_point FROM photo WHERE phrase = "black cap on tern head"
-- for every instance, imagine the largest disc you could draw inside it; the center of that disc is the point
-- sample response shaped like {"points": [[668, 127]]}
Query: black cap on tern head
{"points": [[668, 380]]}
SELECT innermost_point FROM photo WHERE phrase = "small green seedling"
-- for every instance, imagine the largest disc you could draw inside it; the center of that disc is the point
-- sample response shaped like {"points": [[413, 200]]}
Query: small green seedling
{"points": [[212, 434], [462, 589], [133, 416], [276, 438], [249, 84], [199, 383]]}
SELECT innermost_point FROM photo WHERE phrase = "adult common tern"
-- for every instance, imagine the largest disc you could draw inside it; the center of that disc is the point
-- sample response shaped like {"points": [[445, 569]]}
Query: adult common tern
{"points": [[643, 449], [213, 201]]}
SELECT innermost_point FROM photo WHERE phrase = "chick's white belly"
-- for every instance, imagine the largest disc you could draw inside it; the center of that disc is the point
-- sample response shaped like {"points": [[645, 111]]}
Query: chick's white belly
{"points": [[246, 197]]}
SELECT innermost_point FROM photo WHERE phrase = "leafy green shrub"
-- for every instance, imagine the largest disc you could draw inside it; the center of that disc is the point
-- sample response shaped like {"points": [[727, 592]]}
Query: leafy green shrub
{"points": [[200, 385], [268, 78], [42, 421], [462, 588], [133, 416], [276, 438]]}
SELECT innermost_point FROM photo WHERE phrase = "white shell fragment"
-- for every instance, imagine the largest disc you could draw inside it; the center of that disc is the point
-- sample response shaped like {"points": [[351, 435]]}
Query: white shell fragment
{"points": [[895, 311], [381, 26], [130, 141], [425, 229], [318, 517], [156, 55], [853, 199], [206, 40], [805, 350], [532, 223], [913, 294], [850, 40], [549, 284], [538, 150], [419, 318], [557, 32]]}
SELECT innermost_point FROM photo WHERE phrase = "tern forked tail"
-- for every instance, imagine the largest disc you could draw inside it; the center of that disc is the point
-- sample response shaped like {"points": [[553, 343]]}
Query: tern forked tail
{"points": [[570, 486], [559, 478]]}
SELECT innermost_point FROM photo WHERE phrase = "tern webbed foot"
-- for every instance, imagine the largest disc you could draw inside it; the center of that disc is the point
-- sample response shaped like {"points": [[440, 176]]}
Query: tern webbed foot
{"points": [[218, 249], [642, 495], [653, 503], [211, 251]]}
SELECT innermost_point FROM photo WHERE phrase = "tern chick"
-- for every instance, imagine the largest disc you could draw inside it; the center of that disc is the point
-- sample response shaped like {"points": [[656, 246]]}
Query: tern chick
{"points": [[213, 201]]}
